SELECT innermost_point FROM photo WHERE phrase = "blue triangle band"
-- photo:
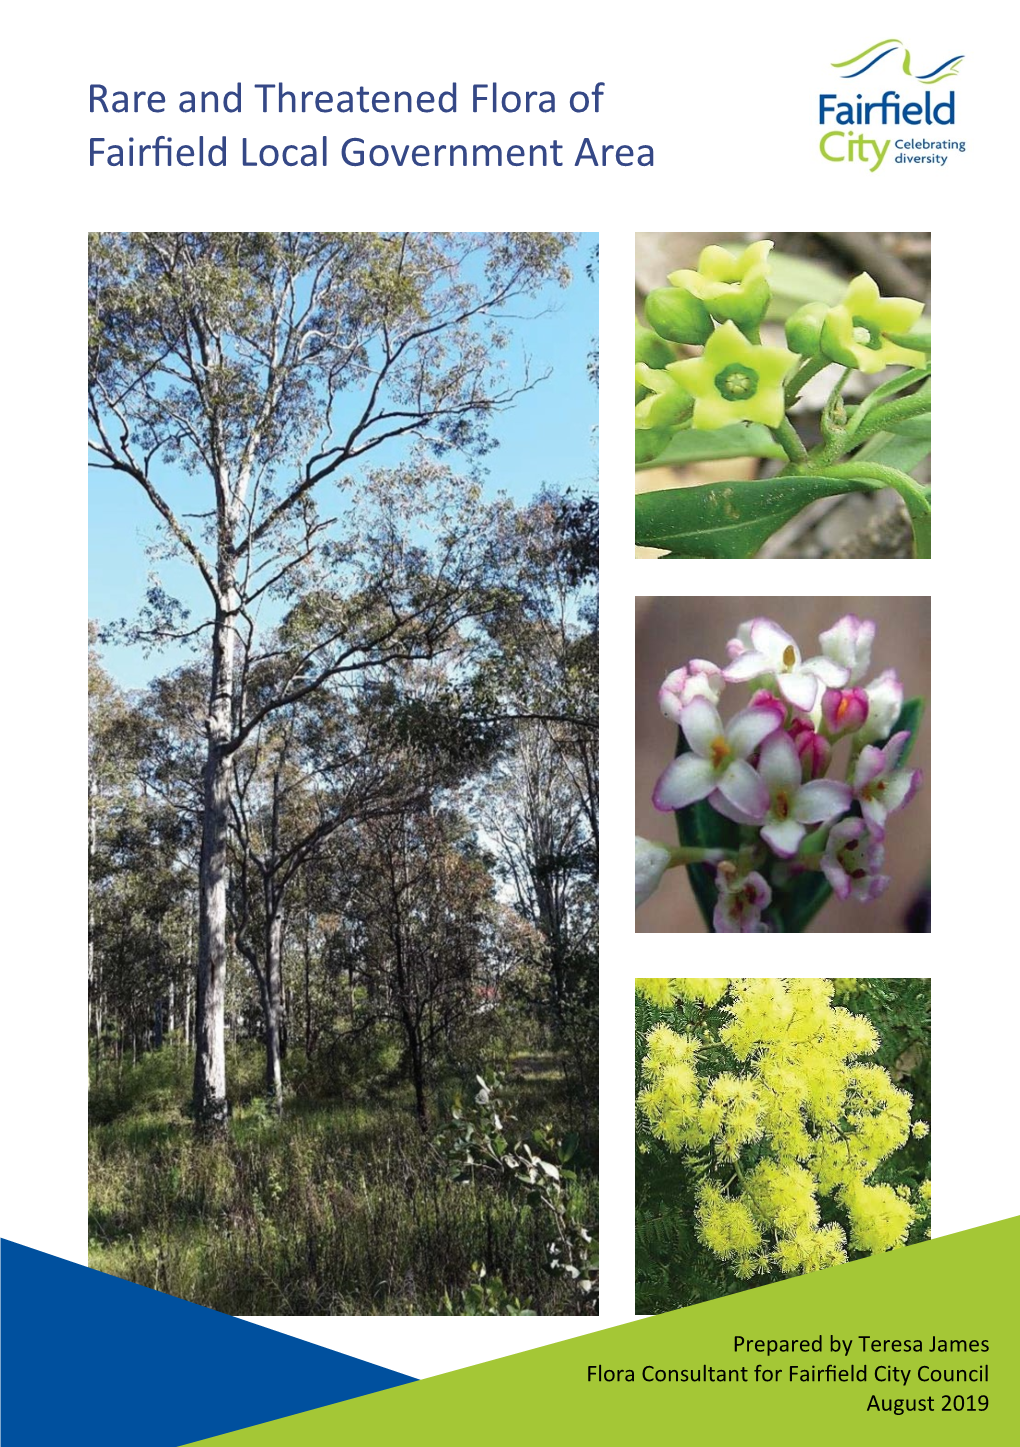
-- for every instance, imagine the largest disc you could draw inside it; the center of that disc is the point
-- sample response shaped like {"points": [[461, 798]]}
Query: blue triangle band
{"points": [[90, 1359]]}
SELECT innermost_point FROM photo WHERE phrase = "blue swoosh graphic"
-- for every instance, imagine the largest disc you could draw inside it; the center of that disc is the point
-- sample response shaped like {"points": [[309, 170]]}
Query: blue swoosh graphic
{"points": [[870, 63], [943, 66]]}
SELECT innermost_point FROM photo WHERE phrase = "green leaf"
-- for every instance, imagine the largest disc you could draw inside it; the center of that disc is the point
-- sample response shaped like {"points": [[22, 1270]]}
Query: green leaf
{"points": [[795, 280], [906, 453], [699, 825], [798, 905], [917, 341], [916, 427], [910, 719], [738, 440], [731, 519]]}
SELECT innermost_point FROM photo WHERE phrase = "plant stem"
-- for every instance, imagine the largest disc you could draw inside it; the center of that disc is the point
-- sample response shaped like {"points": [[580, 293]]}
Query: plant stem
{"points": [[787, 437], [802, 376], [891, 412], [911, 492], [683, 855]]}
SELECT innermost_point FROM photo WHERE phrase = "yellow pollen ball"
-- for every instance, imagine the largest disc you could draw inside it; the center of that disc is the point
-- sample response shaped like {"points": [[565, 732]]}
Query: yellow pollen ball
{"points": [[789, 656]]}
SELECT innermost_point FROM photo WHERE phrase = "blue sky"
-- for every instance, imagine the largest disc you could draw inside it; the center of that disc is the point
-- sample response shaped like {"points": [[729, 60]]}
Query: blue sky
{"points": [[547, 437]]}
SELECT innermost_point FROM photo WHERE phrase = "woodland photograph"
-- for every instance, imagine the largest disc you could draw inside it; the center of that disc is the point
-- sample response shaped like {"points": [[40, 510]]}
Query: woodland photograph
{"points": [[343, 770]]}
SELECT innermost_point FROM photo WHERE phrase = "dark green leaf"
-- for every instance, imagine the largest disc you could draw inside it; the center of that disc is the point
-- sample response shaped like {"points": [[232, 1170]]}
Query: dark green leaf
{"points": [[701, 446], [910, 719], [731, 519], [798, 904]]}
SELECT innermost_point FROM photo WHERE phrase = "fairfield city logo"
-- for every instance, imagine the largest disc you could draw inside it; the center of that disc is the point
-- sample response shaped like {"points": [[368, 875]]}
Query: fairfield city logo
{"points": [[850, 114]]}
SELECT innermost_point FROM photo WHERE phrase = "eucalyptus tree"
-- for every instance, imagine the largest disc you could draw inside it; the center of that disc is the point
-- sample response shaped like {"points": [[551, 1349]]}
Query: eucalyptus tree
{"points": [[231, 375]]}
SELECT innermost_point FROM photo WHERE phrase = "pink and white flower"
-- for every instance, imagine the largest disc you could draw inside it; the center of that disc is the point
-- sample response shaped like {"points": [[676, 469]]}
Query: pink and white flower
{"points": [[793, 804], [717, 765], [774, 654], [742, 897], [879, 786], [852, 861], [844, 710], [848, 643], [885, 700], [742, 643], [813, 751], [697, 679], [650, 863]]}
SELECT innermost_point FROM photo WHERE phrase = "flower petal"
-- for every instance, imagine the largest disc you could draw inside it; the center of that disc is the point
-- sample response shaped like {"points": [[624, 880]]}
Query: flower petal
{"points": [[779, 763], [821, 799], [869, 766], [870, 887], [836, 875], [800, 689], [684, 781], [722, 806], [833, 675], [894, 748], [742, 788], [702, 725], [748, 728], [900, 788], [768, 638], [875, 816], [783, 836], [848, 642], [746, 666]]}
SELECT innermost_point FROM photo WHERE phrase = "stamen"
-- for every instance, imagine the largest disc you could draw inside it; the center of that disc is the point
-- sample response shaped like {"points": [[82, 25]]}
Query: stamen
{"points": [[736, 382], [720, 751]]}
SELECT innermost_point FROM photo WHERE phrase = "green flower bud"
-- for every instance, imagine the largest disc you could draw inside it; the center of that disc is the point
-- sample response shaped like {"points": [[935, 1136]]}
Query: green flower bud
{"points": [[804, 329], [651, 349], [650, 442], [678, 315], [666, 402], [733, 288]]}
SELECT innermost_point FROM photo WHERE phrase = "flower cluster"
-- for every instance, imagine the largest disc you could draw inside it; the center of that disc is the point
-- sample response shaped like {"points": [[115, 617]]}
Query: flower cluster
{"points": [[783, 1120], [719, 307], [772, 768]]}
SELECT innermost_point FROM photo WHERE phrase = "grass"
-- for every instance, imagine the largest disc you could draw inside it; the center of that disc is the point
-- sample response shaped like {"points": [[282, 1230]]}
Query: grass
{"points": [[335, 1209]]}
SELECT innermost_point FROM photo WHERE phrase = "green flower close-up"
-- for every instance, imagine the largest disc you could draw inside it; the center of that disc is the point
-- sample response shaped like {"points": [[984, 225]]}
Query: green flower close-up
{"points": [[734, 380], [733, 288], [855, 332]]}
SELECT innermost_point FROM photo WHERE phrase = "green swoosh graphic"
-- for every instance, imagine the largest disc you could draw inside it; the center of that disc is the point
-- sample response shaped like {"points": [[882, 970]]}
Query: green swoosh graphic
{"points": [[837, 63]]}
